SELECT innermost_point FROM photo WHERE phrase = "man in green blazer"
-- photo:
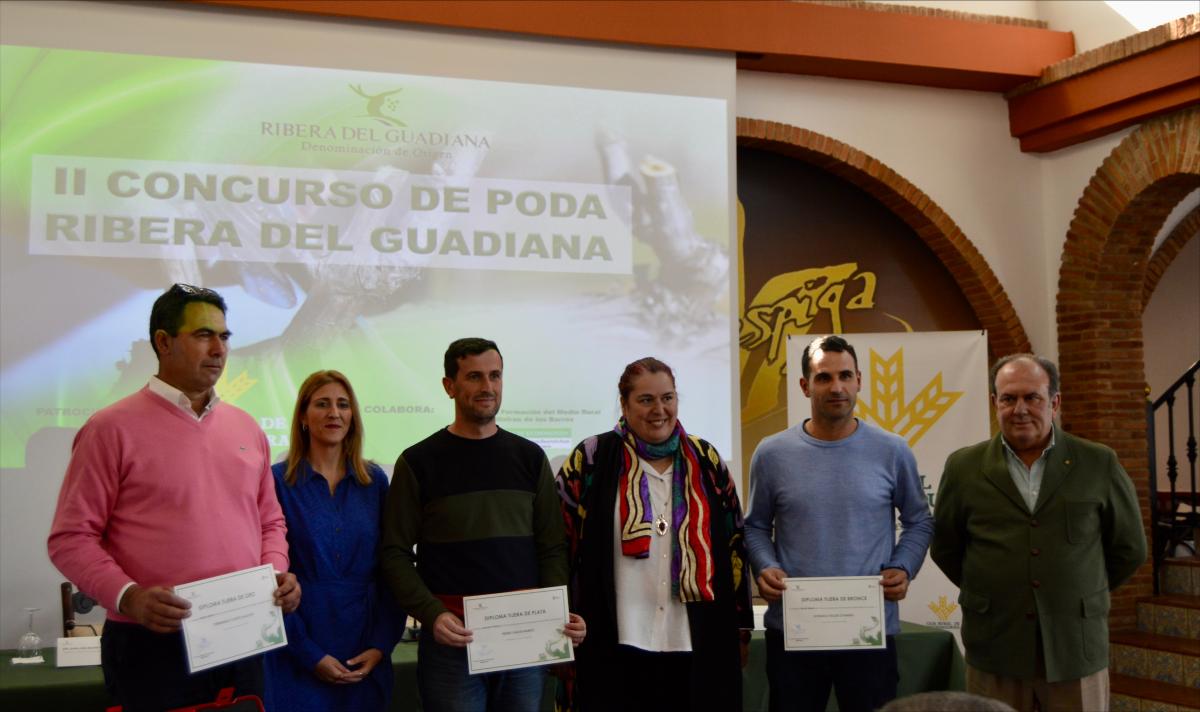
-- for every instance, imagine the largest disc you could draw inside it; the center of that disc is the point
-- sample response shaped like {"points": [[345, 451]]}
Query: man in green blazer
{"points": [[1036, 527]]}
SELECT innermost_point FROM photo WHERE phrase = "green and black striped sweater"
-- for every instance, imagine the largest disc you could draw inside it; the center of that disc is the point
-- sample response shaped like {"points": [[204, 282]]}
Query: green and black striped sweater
{"points": [[484, 516]]}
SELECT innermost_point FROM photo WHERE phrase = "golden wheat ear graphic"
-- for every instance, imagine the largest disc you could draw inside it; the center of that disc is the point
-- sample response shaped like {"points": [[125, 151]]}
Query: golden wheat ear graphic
{"points": [[887, 407], [943, 609], [231, 389]]}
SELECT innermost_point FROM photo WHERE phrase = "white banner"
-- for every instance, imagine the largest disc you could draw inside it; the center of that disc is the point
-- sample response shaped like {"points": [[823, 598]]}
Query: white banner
{"points": [[931, 389], [121, 207]]}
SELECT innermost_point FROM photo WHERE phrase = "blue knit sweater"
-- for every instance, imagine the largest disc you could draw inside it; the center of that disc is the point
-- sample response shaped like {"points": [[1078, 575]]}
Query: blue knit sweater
{"points": [[831, 506]]}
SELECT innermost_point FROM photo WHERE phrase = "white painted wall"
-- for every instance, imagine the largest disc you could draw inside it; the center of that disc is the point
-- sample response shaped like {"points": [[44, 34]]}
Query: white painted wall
{"points": [[1065, 174], [953, 145], [1171, 328], [1093, 22], [1096, 23], [1185, 206], [1027, 9]]}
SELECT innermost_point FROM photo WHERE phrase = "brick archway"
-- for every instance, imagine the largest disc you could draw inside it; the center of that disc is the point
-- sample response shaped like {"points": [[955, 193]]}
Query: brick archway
{"points": [[1101, 288], [1187, 228], [968, 268]]}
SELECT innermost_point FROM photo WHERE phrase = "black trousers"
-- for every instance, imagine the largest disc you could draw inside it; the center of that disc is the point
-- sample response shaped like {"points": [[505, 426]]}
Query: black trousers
{"points": [[147, 672], [629, 679], [864, 680]]}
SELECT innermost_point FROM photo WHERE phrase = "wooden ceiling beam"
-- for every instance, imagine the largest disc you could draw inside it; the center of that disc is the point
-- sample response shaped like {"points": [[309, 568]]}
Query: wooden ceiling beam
{"points": [[1106, 99], [843, 42], [767, 35]]}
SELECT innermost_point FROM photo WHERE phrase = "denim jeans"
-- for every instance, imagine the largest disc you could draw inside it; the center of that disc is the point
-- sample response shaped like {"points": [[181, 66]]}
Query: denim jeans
{"points": [[446, 686], [863, 680]]}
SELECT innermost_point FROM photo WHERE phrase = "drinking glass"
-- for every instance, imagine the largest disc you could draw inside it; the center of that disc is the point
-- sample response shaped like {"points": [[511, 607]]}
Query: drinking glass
{"points": [[30, 645]]}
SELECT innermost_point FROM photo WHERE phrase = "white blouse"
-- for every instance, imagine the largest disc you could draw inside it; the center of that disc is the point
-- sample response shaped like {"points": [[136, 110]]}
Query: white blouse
{"points": [[648, 616]]}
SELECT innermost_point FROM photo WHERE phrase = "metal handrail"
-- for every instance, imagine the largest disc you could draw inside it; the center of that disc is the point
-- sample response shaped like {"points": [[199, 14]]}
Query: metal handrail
{"points": [[1170, 529], [1188, 375]]}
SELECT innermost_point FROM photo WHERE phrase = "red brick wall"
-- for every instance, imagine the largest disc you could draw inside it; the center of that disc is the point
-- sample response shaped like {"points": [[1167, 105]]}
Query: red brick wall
{"points": [[1105, 279], [1187, 228], [1101, 294], [1104, 282], [969, 269]]}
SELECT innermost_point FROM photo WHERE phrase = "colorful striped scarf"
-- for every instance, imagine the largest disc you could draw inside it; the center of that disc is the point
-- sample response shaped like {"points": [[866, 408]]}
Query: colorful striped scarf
{"points": [[691, 544]]}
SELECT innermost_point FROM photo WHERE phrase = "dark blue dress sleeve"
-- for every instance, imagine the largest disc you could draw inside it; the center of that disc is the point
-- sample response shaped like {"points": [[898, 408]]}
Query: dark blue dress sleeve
{"points": [[388, 626], [301, 648]]}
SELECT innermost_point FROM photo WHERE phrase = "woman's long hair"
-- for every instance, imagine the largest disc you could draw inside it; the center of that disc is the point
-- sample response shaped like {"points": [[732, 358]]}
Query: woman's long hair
{"points": [[352, 444]]}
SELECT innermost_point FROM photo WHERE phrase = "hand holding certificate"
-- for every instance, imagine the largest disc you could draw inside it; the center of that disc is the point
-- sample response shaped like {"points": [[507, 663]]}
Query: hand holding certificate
{"points": [[517, 629], [233, 616], [833, 613]]}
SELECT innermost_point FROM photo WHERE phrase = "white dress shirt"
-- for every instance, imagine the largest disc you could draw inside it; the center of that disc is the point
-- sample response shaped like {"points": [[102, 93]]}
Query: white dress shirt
{"points": [[648, 616], [176, 397]]}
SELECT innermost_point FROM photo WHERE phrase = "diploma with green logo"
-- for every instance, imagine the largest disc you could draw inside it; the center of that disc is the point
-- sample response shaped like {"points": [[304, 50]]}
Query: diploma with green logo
{"points": [[833, 613], [233, 616], [517, 629]]}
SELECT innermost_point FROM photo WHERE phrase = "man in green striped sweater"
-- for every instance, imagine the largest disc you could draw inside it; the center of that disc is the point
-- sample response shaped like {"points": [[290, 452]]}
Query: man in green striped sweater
{"points": [[479, 505]]}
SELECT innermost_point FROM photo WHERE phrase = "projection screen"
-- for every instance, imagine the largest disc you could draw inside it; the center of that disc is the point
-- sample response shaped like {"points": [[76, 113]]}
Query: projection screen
{"points": [[361, 195]]}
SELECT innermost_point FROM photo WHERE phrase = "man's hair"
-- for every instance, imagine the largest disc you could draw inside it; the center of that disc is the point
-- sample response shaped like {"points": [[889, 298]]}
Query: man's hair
{"points": [[462, 348], [825, 343], [167, 313], [649, 364], [1047, 365]]}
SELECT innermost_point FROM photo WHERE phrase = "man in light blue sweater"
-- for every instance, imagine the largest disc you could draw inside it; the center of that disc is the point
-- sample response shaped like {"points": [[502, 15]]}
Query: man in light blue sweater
{"points": [[828, 490]]}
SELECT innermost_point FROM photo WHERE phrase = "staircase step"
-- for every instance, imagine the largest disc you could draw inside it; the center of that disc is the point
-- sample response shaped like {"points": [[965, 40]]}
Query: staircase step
{"points": [[1131, 694], [1172, 615], [1160, 658], [1177, 600], [1180, 575], [1164, 643]]}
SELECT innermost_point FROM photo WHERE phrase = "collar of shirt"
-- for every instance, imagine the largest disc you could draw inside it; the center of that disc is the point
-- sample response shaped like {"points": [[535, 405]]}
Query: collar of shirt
{"points": [[176, 397], [1028, 480], [1012, 455]]}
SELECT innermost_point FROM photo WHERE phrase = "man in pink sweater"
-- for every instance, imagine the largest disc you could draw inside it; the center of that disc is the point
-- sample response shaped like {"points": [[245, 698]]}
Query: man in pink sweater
{"points": [[167, 486]]}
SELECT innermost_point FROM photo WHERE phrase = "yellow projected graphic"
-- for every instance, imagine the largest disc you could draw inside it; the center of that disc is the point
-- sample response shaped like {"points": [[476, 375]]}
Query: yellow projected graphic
{"points": [[943, 609], [887, 407], [789, 304], [230, 390]]}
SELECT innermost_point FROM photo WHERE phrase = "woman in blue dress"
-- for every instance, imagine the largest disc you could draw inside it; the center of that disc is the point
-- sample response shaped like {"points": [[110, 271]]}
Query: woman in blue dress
{"points": [[341, 637]]}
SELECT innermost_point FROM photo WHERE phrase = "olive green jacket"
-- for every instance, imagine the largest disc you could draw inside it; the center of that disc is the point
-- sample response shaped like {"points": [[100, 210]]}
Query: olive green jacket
{"points": [[1051, 568]]}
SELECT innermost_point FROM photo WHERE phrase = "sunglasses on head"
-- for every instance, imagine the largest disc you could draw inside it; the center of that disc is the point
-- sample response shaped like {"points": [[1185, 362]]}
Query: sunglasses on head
{"points": [[193, 290]]}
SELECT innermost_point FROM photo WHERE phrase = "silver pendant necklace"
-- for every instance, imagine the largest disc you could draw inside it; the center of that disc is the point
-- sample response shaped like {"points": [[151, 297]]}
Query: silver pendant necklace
{"points": [[661, 524]]}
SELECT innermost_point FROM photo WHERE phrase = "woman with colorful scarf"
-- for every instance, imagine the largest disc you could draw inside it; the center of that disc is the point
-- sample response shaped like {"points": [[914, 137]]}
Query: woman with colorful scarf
{"points": [[658, 565]]}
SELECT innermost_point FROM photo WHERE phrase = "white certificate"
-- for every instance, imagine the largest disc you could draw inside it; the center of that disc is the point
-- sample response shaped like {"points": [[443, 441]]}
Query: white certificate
{"points": [[233, 616], [517, 629], [833, 613]]}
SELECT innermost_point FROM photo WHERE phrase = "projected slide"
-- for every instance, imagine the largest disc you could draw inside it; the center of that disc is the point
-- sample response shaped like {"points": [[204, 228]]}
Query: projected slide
{"points": [[358, 221]]}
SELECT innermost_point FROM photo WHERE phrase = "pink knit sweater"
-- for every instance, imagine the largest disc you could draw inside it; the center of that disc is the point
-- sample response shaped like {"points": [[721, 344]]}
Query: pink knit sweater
{"points": [[157, 497]]}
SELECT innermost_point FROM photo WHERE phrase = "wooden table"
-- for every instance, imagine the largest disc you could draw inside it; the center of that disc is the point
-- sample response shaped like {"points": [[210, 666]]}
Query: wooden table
{"points": [[929, 660]]}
